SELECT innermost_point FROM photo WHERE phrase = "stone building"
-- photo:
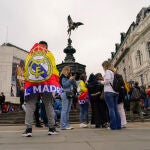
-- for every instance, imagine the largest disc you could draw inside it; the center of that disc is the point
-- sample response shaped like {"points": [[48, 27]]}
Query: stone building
{"points": [[132, 54], [10, 57]]}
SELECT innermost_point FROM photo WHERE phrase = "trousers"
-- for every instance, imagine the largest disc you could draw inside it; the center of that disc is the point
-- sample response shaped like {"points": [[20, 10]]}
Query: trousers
{"points": [[122, 114], [30, 108]]}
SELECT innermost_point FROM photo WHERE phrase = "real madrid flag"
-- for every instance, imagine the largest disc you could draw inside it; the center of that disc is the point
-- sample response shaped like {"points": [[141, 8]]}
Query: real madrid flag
{"points": [[41, 74]]}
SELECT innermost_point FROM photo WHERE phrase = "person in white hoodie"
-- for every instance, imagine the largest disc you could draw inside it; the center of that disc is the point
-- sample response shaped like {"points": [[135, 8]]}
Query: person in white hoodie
{"points": [[111, 97]]}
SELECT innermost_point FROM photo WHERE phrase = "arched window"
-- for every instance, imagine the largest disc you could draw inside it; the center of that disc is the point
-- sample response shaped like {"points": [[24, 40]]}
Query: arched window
{"points": [[139, 57]]}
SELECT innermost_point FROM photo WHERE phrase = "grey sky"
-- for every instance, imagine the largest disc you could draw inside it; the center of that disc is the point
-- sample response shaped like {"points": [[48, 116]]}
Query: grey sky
{"points": [[29, 21]]}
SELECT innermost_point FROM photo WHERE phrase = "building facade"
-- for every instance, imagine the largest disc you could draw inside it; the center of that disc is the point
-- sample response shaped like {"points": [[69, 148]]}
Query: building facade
{"points": [[132, 54], [10, 57]]}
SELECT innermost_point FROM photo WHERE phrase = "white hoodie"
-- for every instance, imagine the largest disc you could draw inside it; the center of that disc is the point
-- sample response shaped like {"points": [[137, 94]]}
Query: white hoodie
{"points": [[108, 78]]}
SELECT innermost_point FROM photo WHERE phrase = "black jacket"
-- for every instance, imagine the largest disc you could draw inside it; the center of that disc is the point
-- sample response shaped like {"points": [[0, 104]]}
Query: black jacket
{"points": [[93, 85]]}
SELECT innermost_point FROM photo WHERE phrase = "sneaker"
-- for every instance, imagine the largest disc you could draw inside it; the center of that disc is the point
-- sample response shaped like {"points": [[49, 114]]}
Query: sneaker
{"points": [[27, 133], [82, 125], [108, 128], [105, 125], [52, 131], [92, 125], [123, 126], [69, 128]]}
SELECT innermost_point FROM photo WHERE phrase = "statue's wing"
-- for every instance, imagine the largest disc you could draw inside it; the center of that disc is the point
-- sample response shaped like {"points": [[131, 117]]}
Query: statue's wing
{"points": [[70, 22], [78, 24]]}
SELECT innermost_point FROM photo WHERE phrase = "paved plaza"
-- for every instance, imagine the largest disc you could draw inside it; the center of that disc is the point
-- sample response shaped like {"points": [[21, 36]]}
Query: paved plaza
{"points": [[135, 137]]}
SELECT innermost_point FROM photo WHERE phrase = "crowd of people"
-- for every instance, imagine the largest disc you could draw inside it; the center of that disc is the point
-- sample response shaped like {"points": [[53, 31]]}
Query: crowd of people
{"points": [[51, 98], [96, 93]]}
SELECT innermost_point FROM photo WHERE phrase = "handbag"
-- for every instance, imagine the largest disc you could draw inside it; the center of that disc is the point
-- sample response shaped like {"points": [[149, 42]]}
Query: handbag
{"points": [[69, 94]]}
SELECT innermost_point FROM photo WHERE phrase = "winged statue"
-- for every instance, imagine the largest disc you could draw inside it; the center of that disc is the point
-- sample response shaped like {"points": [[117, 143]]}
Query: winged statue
{"points": [[72, 25]]}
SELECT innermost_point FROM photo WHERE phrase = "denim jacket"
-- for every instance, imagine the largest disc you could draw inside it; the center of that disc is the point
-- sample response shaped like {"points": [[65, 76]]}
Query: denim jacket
{"points": [[67, 84]]}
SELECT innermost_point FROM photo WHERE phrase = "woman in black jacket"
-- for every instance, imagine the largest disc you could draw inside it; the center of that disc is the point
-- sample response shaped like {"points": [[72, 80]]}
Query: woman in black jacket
{"points": [[95, 89]]}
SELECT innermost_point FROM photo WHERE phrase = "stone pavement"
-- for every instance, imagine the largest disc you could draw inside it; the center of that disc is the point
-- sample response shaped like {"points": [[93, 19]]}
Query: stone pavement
{"points": [[135, 137]]}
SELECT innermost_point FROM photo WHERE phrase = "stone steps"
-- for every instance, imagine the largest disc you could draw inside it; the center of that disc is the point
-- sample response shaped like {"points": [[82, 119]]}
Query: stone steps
{"points": [[12, 118], [18, 117]]}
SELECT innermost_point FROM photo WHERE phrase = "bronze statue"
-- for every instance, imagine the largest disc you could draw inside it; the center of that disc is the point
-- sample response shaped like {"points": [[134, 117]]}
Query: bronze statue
{"points": [[72, 25]]}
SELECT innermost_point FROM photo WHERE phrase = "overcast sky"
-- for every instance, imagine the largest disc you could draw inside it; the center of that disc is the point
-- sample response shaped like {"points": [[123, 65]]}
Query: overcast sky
{"points": [[25, 22]]}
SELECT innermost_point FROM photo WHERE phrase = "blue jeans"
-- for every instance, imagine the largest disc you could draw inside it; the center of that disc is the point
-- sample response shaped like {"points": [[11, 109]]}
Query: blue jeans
{"points": [[147, 102], [66, 107], [84, 112], [57, 115], [112, 102]]}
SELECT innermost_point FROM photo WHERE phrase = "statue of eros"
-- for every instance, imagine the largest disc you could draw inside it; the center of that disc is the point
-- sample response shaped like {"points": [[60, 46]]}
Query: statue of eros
{"points": [[72, 25]]}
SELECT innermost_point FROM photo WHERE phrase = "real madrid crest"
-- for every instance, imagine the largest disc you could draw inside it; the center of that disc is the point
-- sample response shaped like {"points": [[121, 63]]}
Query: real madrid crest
{"points": [[39, 67]]}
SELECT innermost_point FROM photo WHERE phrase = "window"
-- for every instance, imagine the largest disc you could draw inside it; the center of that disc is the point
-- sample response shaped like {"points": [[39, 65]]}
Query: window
{"points": [[139, 57], [142, 80]]}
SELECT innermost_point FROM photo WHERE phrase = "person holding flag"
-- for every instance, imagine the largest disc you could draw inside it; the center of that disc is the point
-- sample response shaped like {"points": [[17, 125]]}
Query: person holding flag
{"points": [[83, 100], [41, 79]]}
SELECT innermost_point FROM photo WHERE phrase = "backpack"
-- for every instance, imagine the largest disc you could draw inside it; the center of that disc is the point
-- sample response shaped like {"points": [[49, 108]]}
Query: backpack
{"points": [[136, 94], [118, 82]]}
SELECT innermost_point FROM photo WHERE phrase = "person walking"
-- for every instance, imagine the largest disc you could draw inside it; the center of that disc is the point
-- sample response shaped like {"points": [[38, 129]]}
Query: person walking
{"points": [[67, 82], [41, 79]]}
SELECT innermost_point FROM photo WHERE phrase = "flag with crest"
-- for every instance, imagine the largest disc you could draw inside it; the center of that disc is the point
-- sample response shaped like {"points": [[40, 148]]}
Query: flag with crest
{"points": [[41, 74]]}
